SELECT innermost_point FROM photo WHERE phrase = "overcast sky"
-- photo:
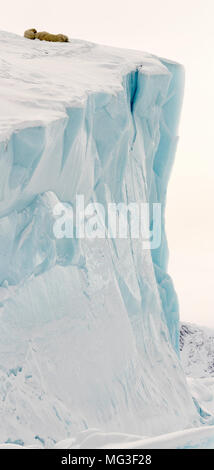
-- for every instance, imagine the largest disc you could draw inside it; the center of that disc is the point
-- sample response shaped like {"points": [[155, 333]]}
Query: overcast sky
{"points": [[181, 30]]}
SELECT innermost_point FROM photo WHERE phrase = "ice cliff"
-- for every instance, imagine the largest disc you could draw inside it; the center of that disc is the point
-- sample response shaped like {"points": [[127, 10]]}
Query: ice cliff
{"points": [[89, 329]]}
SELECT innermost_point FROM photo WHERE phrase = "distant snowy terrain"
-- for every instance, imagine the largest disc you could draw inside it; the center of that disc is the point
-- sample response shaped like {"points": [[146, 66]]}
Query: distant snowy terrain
{"points": [[89, 328], [197, 355], [197, 350]]}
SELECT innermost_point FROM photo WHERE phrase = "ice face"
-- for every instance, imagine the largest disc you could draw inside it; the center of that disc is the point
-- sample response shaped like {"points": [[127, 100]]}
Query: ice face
{"points": [[89, 327]]}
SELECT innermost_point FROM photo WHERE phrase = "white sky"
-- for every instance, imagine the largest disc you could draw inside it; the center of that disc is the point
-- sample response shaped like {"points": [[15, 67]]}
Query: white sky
{"points": [[182, 30]]}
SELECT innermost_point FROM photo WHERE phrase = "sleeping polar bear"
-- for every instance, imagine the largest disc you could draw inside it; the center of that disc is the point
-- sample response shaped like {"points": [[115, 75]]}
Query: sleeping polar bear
{"points": [[44, 36]]}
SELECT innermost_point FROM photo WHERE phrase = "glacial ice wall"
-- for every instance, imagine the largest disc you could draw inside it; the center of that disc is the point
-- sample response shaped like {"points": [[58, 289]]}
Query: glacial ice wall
{"points": [[88, 327]]}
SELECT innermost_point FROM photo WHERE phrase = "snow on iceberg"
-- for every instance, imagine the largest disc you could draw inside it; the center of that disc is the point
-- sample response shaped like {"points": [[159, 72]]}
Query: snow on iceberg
{"points": [[89, 327], [195, 438]]}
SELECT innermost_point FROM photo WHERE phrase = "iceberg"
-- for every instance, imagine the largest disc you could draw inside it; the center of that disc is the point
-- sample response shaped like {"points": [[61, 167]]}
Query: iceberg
{"points": [[89, 327]]}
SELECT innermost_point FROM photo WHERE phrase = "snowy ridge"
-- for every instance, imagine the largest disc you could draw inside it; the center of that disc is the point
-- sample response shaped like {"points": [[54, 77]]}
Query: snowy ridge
{"points": [[89, 328], [195, 438]]}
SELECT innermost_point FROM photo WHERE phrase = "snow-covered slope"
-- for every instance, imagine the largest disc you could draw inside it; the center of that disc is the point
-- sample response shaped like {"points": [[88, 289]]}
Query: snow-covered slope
{"points": [[89, 331]]}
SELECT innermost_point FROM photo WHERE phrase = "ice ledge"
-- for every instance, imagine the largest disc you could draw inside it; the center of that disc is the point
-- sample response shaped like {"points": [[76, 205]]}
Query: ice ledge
{"points": [[40, 80]]}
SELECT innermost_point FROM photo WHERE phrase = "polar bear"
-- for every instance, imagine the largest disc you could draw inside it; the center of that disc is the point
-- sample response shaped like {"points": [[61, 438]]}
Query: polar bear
{"points": [[30, 33], [44, 36]]}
